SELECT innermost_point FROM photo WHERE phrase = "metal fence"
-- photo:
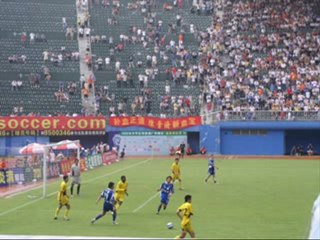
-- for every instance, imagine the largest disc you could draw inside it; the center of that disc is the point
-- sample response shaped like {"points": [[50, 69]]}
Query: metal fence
{"points": [[213, 117]]}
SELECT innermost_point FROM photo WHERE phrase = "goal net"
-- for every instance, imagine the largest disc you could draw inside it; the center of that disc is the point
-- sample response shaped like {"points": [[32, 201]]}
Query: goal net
{"points": [[33, 165], [58, 159]]}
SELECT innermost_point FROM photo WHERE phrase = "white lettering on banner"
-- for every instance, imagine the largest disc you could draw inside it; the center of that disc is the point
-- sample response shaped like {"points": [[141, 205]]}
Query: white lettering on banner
{"points": [[94, 161], [109, 157]]}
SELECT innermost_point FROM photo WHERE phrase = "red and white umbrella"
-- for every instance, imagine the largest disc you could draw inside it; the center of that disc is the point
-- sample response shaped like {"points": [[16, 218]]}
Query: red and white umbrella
{"points": [[66, 145], [32, 148]]}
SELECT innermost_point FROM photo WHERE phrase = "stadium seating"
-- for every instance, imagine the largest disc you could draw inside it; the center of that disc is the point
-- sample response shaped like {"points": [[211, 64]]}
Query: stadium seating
{"points": [[265, 36], [38, 17], [99, 19]]}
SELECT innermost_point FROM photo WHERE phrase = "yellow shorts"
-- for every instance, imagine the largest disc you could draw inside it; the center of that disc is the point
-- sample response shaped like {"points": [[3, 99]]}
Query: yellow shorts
{"points": [[187, 228], [175, 177], [63, 201], [119, 197]]}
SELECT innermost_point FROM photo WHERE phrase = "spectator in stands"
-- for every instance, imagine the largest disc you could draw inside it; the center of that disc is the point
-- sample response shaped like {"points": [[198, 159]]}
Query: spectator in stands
{"points": [[70, 33], [64, 24], [45, 56], [19, 84], [87, 31], [81, 32], [23, 39], [100, 63], [85, 92], [32, 38], [14, 85], [88, 60]]}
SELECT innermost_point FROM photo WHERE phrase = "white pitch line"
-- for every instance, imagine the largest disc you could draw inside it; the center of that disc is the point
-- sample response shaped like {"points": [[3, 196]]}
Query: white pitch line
{"points": [[91, 180], [21, 192], [24, 205], [146, 202], [63, 237], [116, 171]]}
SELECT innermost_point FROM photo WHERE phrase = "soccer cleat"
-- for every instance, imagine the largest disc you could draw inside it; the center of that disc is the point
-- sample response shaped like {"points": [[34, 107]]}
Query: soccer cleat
{"points": [[115, 223], [93, 220], [215, 181], [66, 219], [55, 218], [157, 213], [206, 180]]}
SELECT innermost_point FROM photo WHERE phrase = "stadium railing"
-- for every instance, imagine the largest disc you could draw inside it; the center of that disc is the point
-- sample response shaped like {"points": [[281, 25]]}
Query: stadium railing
{"points": [[213, 117]]}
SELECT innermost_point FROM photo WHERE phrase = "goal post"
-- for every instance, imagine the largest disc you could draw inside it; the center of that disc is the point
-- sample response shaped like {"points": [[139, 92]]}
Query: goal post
{"points": [[63, 146]]}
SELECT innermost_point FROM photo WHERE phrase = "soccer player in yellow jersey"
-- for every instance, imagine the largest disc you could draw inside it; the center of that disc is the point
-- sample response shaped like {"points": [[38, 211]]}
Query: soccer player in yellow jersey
{"points": [[63, 199], [121, 191], [176, 174], [185, 212]]}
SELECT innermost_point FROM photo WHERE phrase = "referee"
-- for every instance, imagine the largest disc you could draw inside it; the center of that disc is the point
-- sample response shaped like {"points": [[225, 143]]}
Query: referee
{"points": [[75, 173]]}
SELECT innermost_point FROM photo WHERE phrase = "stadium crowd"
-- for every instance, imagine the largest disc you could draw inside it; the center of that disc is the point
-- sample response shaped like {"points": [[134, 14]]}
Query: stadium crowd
{"points": [[182, 67], [256, 56], [262, 55]]}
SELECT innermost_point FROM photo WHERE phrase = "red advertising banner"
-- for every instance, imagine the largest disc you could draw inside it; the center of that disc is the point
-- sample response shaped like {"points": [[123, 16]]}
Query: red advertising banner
{"points": [[53, 123], [83, 166], [65, 165], [109, 157], [156, 123]]}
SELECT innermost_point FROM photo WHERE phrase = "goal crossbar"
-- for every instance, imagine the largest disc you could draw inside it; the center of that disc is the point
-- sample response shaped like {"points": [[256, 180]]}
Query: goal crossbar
{"points": [[46, 159]]}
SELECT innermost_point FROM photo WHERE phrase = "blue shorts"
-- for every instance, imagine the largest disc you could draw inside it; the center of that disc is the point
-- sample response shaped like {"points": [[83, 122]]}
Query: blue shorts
{"points": [[164, 199], [107, 207], [211, 171]]}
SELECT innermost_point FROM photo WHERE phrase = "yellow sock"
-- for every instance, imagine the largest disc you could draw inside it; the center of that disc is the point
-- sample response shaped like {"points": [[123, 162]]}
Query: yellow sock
{"points": [[57, 212], [66, 213], [177, 237], [117, 206]]}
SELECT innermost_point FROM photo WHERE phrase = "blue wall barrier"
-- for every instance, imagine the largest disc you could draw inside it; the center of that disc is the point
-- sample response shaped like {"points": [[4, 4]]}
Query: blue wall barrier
{"points": [[259, 138], [272, 143], [234, 137]]}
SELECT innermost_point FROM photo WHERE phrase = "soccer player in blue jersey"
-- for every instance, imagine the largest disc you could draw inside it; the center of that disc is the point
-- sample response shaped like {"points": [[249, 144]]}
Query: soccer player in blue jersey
{"points": [[166, 189], [211, 169], [109, 203]]}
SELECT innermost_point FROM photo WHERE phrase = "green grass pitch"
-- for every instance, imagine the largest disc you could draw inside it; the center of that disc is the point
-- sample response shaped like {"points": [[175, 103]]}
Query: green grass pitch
{"points": [[253, 199]]}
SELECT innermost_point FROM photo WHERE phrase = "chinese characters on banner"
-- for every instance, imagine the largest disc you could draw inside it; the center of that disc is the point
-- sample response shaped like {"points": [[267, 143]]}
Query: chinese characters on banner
{"points": [[156, 123]]}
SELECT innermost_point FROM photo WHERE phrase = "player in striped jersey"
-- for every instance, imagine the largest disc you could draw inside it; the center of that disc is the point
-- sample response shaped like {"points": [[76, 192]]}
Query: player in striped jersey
{"points": [[109, 203], [211, 169], [166, 189]]}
